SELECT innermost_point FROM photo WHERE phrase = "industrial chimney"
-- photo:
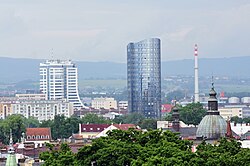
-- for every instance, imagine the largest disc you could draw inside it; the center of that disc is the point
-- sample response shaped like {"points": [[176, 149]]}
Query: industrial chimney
{"points": [[196, 77]]}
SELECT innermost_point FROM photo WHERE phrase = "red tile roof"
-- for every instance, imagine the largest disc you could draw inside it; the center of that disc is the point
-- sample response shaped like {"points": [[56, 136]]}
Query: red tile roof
{"points": [[35, 134], [93, 127], [77, 136], [166, 108], [124, 126]]}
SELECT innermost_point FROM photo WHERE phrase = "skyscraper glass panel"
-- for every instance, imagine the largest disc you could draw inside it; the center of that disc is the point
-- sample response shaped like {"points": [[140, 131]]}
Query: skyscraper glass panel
{"points": [[144, 77]]}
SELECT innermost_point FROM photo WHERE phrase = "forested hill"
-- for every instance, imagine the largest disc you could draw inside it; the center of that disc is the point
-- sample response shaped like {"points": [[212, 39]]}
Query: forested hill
{"points": [[13, 69]]}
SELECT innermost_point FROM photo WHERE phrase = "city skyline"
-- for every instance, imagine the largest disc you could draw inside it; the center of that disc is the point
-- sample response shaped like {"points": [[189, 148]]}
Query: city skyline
{"points": [[97, 31]]}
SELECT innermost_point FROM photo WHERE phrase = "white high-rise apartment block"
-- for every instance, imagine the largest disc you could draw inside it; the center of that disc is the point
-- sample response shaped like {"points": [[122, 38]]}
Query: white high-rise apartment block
{"points": [[59, 80]]}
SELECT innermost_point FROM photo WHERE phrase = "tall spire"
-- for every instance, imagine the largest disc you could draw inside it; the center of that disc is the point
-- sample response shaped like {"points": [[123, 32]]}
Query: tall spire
{"points": [[11, 158], [212, 101], [11, 148], [176, 119], [196, 77]]}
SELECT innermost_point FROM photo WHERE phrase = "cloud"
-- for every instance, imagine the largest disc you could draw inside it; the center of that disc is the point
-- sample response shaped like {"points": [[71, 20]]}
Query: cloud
{"points": [[179, 35], [68, 33], [97, 30]]}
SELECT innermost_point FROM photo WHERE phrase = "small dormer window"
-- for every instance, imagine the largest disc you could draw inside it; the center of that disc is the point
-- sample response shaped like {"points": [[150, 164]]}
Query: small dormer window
{"points": [[47, 136], [33, 137], [42, 137], [38, 137]]}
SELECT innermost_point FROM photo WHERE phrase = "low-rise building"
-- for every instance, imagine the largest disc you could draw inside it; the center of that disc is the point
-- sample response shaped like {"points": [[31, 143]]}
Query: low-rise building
{"points": [[106, 103], [42, 109], [39, 96], [246, 112], [111, 115], [100, 112], [5, 109], [90, 131], [116, 127], [228, 112], [123, 104], [38, 136]]}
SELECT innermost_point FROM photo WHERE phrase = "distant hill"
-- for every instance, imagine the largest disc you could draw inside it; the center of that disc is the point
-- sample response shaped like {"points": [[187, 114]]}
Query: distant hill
{"points": [[13, 69], [234, 67]]}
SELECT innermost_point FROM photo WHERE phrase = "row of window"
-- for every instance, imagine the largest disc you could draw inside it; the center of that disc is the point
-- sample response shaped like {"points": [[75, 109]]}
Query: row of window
{"points": [[38, 137]]}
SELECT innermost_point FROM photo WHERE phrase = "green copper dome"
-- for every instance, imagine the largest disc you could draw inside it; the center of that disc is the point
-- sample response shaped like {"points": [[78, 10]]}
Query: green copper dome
{"points": [[212, 127]]}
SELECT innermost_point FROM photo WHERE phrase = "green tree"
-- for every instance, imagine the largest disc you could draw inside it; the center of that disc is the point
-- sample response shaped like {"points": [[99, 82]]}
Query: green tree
{"points": [[62, 157], [72, 125], [237, 119], [132, 118], [226, 152], [4, 132], [155, 147], [62, 127], [15, 123], [47, 123], [246, 120], [31, 122], [192, 113], [148, 124], [94, 119], [131, 147], [175, 95]]}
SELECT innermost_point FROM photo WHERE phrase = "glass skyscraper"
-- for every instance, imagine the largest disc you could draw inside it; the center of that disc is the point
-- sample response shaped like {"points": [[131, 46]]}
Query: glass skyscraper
{"points": [[144, 77]]}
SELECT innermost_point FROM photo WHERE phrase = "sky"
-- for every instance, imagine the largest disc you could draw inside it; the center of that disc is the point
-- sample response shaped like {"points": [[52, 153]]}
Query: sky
{"points": [[99, 30]]}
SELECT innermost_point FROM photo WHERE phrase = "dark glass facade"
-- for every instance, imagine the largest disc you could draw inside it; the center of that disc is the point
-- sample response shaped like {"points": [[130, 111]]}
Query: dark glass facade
{"points": [[144, 77]]}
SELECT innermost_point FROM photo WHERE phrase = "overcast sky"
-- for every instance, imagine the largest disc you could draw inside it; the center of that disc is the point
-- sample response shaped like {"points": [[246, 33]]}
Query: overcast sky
{"points": [[99, 30]]}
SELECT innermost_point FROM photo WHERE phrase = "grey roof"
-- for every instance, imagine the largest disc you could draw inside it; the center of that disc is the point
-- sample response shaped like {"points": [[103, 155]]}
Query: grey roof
{"points": [[212, 127], [188, 131], [185, 132]]}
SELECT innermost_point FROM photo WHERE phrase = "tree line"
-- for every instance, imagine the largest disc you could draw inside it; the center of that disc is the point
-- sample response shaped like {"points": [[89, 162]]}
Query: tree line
{"points": [[63, 127], [155, 147]]}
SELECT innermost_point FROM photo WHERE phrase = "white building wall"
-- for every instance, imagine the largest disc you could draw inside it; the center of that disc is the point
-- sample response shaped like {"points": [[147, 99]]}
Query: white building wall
{"points": [[106, 103], [228, 112], [123, 104], [31, 96], [59, 80], [43, 110]]}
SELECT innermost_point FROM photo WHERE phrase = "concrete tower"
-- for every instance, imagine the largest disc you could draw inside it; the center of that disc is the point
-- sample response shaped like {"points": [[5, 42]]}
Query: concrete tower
{"points": [[196, 77]]}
